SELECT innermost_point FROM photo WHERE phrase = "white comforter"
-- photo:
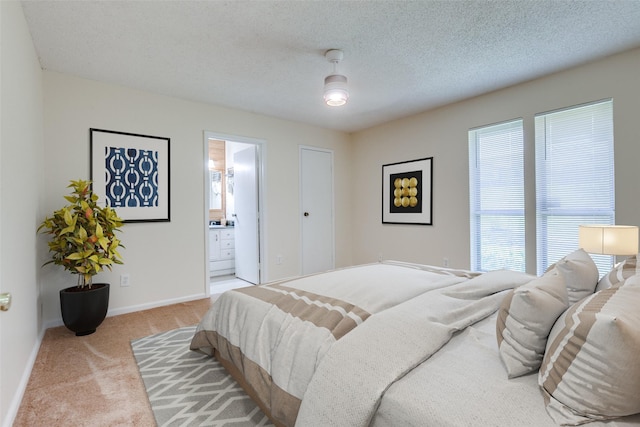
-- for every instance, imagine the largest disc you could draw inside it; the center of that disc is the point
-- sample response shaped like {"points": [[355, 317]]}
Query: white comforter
{"points": [[349, 383], [465, 385], [277, 335]]}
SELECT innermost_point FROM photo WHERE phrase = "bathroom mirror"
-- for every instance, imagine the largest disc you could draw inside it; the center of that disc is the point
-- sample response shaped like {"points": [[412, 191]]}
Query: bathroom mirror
{"points": [[215, 191]]}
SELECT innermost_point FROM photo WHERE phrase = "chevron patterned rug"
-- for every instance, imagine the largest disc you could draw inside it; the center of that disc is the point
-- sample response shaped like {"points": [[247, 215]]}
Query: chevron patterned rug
{"points": [[186, 388]]}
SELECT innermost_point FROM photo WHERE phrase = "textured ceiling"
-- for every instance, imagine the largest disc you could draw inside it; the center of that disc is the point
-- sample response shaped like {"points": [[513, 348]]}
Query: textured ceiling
{"points": [[401, 57]]}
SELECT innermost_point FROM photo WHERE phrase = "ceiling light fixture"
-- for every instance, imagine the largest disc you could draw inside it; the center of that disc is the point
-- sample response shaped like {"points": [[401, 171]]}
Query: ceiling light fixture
{"points": [[336, 92]]}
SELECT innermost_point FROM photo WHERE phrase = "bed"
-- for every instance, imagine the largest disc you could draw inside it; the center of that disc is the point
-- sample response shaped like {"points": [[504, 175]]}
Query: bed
{"points": [[394, 343]]}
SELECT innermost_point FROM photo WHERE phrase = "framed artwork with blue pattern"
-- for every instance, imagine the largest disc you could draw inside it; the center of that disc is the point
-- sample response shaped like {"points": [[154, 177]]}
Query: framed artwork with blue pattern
{"points": [[130, 173]]}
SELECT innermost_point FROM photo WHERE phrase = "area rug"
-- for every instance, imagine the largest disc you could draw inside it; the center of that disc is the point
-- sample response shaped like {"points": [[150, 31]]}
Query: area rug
{"points": [[187, 388]]}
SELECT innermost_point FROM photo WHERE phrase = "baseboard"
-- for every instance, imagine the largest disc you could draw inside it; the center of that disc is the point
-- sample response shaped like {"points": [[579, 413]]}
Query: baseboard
{"points": [[12, 411], [147, 306], [134, 308], [281, 279]]}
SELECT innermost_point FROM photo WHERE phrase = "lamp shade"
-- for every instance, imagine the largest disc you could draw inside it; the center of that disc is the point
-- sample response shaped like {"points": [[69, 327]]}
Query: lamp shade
{"points": [[609, 239], [336, 92]]}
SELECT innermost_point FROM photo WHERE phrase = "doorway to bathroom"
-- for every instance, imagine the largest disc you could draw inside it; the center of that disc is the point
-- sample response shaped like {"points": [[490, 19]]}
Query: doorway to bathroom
{"points": [[234, 210]]}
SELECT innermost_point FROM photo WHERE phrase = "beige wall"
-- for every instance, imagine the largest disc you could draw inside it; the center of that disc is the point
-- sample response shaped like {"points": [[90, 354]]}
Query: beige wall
{"points": [[442, 133], [20, 178], [166, 261]]}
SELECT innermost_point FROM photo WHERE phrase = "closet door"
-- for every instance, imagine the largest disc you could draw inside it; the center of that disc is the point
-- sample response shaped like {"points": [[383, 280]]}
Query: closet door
{"points": [[316, 210]]}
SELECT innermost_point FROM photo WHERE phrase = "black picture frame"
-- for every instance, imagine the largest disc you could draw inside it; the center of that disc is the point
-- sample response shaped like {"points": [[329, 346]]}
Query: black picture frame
{"points": [[407, 192], [131, 173]]}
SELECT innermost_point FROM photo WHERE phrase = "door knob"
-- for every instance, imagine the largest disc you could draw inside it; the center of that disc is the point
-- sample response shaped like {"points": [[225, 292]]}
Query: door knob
{"points": [[306, 214]]}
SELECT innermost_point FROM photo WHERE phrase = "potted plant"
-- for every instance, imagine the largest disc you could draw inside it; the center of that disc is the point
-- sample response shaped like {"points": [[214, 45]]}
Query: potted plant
{"points": [[83, 241]]}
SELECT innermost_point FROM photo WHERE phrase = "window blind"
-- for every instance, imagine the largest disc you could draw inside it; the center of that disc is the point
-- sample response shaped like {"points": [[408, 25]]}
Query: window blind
{"points": [[496, 183], [574, 178]]}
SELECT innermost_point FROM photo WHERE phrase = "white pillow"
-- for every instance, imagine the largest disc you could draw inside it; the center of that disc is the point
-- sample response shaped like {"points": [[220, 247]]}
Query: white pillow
{"points": [[580, 274], [525, 319], [591, 367]]}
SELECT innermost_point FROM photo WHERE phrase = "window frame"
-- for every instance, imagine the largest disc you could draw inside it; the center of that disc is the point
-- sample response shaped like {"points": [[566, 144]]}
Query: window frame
{"points": [[507, 129], [587, 214]]}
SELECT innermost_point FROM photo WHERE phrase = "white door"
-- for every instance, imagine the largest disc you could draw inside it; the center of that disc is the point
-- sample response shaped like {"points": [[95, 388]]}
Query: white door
{"points": [[316, 203], [246, 215]]}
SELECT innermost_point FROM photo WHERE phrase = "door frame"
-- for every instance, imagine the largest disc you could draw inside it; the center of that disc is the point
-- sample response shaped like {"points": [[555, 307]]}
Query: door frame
{"points": [[261, 149], [333, 204]]}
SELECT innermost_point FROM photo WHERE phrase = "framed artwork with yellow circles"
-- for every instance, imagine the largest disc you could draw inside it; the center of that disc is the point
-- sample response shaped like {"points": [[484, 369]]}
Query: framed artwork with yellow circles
{"points": [[407, 189]]}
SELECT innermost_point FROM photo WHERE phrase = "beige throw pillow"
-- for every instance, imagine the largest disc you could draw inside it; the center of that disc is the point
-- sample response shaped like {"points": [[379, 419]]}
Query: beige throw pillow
{"points": [[591, 367], [621, 272], [525, 319]]}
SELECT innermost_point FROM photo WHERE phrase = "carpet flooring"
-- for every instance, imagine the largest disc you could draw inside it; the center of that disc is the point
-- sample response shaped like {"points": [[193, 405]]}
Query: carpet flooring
{"points": [[187, 388], [93, 381]]}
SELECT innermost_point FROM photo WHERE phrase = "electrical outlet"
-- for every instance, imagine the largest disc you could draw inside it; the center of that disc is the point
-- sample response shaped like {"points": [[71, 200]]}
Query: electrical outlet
{"points": [[278, 259], [125, 280], [445, 262]]}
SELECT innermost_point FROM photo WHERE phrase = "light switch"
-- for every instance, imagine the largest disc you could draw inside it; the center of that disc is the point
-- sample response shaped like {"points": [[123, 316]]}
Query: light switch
{"points": [[5, 301]]}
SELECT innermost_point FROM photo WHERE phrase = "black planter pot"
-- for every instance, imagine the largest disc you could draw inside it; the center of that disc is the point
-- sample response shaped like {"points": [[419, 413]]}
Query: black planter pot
{"points": [[84, 310]]}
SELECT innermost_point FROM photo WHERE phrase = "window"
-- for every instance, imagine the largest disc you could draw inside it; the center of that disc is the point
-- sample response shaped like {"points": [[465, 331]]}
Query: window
{"points": [[496, 183], [574, 178]]}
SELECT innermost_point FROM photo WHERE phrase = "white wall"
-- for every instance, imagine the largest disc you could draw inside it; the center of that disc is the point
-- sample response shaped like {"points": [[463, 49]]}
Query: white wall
{"points": [[166, 261], [442, 133], [20, 179]]}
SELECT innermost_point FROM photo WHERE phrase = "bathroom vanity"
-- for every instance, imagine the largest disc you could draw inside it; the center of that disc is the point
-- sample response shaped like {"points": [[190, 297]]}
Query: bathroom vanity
{"points": [[221, 250]]}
